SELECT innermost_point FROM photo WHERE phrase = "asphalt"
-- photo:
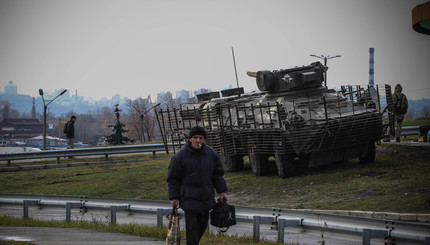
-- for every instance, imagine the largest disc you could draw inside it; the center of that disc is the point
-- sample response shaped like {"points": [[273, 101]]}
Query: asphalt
{"points": [[66, 236]]}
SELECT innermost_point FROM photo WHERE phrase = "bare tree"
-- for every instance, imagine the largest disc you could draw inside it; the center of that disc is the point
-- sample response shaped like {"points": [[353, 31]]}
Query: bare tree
{"points": [[410, 115], [424, 112], [203, 91], [132, 119], [4, 113], [142, 118], [7, 112], [167, 101]]}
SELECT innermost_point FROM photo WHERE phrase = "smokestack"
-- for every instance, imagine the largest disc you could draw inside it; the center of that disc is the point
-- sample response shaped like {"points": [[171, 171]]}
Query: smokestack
{"points": [[371, 66]]}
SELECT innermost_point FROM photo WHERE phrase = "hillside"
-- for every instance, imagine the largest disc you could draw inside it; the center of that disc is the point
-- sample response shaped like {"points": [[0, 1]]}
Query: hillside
{"points": [[396, 182]]}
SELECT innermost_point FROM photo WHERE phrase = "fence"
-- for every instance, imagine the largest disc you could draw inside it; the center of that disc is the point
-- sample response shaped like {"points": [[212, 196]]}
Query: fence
{"points": [[106, 151], [353, 228]]}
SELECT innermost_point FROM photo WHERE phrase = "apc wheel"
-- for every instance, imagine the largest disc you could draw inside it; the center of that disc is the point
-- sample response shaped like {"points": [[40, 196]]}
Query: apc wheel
{"points": [[284, 164], [258, 163], [371, 154], [231, 163]]}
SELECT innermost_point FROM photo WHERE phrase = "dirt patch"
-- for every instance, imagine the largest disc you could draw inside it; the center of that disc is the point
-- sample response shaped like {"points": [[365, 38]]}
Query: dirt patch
{"points": [[373, 174], [411, 150]]}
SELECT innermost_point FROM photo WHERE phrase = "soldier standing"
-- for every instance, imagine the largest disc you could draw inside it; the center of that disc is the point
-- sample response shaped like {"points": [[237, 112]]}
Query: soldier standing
{"points": [[400, 104]]}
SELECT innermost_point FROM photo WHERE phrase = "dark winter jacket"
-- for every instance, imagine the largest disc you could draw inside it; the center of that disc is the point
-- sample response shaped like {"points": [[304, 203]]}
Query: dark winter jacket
{"points": [[70, 129], [193, 175]]}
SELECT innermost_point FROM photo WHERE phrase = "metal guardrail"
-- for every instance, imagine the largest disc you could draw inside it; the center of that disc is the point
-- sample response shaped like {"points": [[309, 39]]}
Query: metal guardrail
{"points": [[126, 149], [410, 130], [420, 130], [106, 151], [351, 227]]}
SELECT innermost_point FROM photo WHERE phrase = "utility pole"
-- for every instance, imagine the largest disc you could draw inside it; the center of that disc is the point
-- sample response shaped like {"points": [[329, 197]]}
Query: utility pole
{"points": [[45, 107]]}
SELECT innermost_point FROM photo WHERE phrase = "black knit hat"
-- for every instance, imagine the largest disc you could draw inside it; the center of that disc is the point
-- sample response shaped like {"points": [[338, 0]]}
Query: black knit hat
{"points": [[197, 130]]}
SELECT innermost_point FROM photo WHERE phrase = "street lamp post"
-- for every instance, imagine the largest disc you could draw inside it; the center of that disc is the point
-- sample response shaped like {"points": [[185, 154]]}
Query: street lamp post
{"points": [[142, 134], [45, 107], [325, 58]]}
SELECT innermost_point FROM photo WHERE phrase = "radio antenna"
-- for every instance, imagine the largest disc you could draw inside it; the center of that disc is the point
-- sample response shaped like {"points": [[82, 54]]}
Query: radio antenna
{"points": [[235, 71]]}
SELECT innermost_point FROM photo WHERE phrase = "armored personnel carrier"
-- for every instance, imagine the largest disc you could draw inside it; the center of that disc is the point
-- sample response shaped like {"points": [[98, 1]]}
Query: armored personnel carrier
{"points": [[293, 120]]}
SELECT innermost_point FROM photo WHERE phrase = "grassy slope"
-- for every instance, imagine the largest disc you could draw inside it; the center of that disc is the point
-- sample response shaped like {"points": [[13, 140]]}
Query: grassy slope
{"points": [[396, 182], [417, 122]]}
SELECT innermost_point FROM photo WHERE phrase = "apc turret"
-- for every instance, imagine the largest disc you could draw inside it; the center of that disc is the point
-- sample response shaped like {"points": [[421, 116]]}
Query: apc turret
{"points": [[290, 79]]}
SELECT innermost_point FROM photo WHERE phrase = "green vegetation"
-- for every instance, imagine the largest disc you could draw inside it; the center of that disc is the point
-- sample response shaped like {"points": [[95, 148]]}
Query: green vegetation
{"points": [[396, 182], [132, 229], [417, 122]]}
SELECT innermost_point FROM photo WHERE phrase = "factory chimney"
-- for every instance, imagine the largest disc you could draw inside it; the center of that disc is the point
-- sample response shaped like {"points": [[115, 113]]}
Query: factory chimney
{"points": [[371, 66]]}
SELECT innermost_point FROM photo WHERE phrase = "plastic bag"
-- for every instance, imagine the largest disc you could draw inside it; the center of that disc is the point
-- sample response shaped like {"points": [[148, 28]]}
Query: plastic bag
{"points": [[174, 229]]}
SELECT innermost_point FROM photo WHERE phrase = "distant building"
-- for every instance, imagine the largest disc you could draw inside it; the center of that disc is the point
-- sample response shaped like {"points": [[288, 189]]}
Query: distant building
{"points": [[11, 88], [182, 96], [20, 129], [20, 102], [160, 96], [78, 99], [33, 109], [50, 142]]}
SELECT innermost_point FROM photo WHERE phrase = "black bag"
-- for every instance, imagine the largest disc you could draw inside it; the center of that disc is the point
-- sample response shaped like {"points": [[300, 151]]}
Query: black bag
{"points": [[399, 107], [223, 215], [66, 128], [400, 110]]}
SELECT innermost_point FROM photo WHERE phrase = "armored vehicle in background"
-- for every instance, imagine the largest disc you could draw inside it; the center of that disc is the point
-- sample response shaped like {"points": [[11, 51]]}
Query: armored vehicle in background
{"points": [[293, 120]]}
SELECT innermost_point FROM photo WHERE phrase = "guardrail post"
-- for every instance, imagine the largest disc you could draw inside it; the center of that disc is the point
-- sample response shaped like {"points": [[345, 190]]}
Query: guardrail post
{"points": [[282, 223], [281, 227], [106, 157], [372, 233], [69, 206], [68, 211], [160, 215], [8, 162], [27, 203], [25, 209], [256, 227], [114, 209], [113, 215], [58, 160], [257, 220]]}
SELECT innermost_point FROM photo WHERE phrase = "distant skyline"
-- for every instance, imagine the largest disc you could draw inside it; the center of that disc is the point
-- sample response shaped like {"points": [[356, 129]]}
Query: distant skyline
{"points": [[69, 94], [134, 48]]}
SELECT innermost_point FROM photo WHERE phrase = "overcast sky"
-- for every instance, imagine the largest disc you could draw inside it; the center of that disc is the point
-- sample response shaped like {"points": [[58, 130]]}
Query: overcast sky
{"points": [[134, 48]]}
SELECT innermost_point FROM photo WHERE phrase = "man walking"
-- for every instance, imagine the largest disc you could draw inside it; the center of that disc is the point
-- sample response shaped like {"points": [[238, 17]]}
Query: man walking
{"points": [[194, 172], [69, 130]]}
